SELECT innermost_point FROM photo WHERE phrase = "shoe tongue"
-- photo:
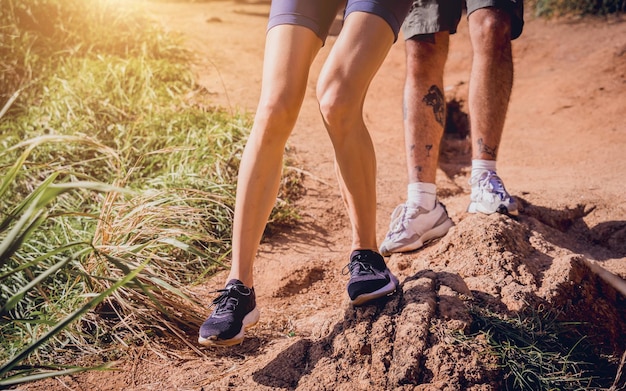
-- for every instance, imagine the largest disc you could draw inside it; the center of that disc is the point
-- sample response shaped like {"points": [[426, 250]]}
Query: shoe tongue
{"points": [[234, 281], [360, 254]]}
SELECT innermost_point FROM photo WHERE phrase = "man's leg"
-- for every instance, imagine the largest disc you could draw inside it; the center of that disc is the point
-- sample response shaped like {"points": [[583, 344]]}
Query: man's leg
{"points": [[421, 218], [424, 105], [490, 85], [491, 79]]}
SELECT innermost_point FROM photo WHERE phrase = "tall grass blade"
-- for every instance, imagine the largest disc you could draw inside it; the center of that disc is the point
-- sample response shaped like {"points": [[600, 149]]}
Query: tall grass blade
{"points": [[33, 216], [13, 300], [4, 369], [7, 105], [41, 258], [190, 249], [10, 176], [120, 263], [21, 379], [20, 232], [54, 190], [25, 204]]}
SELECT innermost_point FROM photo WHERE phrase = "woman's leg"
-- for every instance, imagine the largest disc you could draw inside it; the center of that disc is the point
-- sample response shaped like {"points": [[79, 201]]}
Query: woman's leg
{"points": [[355, 58], [289, 53]]}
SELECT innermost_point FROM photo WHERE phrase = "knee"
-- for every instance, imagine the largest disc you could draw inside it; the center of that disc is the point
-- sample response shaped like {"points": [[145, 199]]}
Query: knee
{"points": [[337, 107], [490, 29], [277, 115], [426, 60]]}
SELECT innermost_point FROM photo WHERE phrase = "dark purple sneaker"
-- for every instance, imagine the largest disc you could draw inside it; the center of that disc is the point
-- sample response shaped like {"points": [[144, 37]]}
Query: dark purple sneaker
{"points": [[235, 311], [369, 277]]}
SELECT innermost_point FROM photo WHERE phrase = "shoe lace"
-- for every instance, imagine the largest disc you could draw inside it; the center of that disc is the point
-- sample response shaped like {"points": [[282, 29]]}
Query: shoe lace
{"points": [[398, 220], [356, 267], [225, 302], [491, 182]]}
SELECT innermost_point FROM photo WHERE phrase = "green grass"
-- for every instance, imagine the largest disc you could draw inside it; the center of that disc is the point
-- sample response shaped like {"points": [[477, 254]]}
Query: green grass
{"points": [[549, 8], [538, 351], [116, 190]]}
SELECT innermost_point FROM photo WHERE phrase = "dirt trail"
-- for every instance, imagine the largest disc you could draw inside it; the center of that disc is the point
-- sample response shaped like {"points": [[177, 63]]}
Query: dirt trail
{"points": [[562, 155]]}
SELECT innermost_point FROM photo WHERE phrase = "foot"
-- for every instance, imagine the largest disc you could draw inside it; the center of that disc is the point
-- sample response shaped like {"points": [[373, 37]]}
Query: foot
{"points": [[489, 195], [235, 311], [411, 227], [369, 277]]}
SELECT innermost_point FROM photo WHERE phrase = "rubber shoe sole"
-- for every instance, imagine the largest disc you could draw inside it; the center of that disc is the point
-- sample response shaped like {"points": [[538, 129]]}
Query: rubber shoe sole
{"points": [[386, 290], [249, 321], [435, 233], [475, 207]]}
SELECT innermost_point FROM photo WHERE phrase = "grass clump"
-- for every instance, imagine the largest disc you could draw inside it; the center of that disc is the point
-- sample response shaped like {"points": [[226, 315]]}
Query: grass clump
{"points": [[537, 351], [116, 192], [580, 7]]}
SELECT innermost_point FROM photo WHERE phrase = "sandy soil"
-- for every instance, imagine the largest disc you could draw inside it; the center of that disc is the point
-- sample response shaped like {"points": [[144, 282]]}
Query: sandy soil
{"points": [[562, 155]]}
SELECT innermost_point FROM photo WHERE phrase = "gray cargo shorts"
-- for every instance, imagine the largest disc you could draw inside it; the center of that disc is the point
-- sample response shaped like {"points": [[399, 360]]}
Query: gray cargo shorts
{"points": [[433, 16]]}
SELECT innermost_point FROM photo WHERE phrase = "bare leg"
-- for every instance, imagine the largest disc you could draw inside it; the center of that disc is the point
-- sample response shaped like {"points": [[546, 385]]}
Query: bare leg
{"points": [[354, 60], [491, 82], [289, 53], [421, 218], [491, 79], [424, 104]]}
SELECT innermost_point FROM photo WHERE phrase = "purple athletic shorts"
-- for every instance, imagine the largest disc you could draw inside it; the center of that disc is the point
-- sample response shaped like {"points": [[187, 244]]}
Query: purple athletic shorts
{"points": [[318, 15]]}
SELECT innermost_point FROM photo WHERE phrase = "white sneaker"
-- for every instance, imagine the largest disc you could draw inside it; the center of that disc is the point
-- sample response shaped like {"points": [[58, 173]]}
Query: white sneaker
{"points": [[411, 227], [489, 195]]}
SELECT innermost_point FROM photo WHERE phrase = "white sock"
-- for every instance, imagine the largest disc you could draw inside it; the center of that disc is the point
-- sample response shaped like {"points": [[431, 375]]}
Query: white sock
{"points": [[422, 194], [479, 165]]}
